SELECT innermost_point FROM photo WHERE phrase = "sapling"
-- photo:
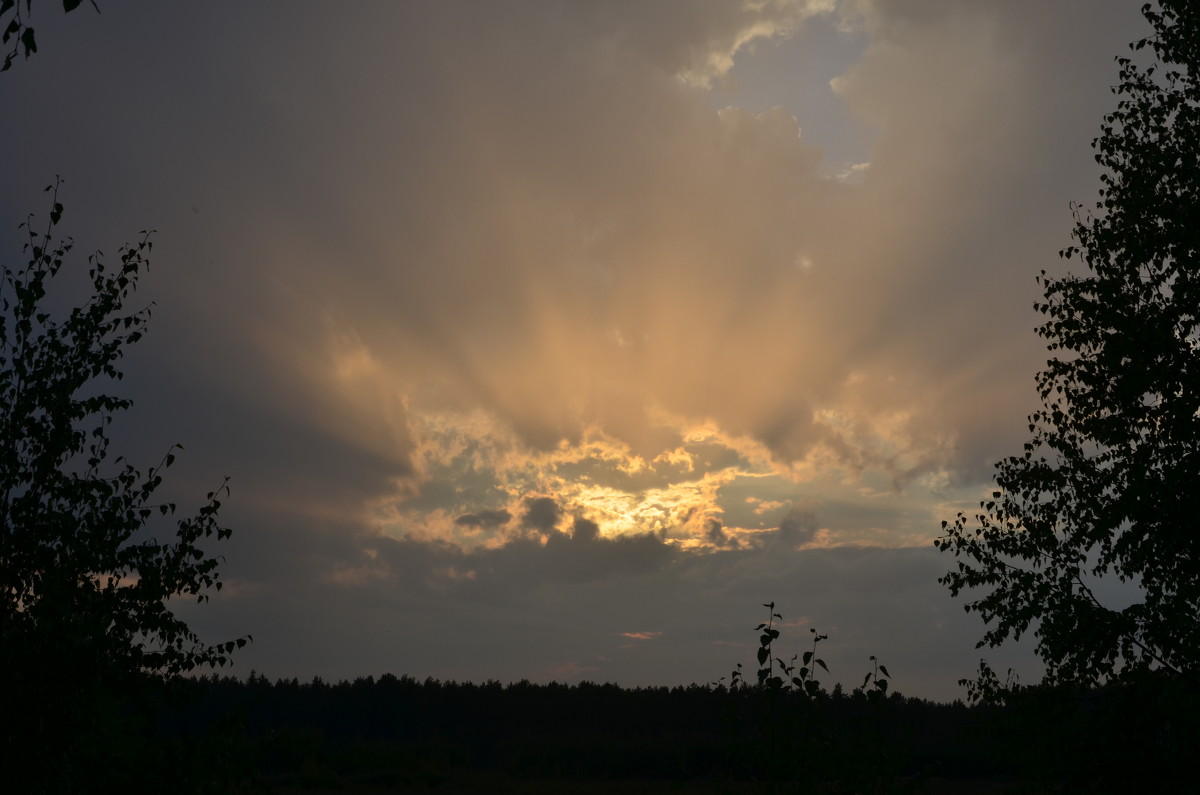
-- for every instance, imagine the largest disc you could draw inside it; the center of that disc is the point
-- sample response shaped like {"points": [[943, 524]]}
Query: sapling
{"points": [[777, 679]]}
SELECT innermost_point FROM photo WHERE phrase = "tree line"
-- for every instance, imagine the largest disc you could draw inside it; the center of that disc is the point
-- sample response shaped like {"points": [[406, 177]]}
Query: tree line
{"points": [[401, 732]]}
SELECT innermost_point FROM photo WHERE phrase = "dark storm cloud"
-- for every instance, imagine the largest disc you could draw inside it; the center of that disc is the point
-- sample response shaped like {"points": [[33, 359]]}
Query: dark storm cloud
{"points": [[797, 526], [715, 533], [541, 513], [584, 530]]}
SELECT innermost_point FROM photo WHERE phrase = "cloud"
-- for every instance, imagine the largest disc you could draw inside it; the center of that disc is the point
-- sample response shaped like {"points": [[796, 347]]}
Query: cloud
{"points": [[470, 276], [541, 513], [563, 236], [715, 533], [584, 530], [797, 527], [484, 519]]}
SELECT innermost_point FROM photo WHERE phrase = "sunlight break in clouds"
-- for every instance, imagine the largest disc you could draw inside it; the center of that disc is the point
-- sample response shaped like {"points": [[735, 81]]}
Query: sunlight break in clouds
{"points": [[605, 286], [675, 494], [646, 315], [479, 485], [549, 319]]}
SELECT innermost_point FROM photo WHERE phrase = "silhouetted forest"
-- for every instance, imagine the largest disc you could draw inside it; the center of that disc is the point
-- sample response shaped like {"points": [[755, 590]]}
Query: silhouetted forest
{"points": [[395, 734]]}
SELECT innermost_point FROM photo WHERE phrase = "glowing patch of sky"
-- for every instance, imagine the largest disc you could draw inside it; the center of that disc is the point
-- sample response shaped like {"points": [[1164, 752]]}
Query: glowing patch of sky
{"points": [[480, 487]]}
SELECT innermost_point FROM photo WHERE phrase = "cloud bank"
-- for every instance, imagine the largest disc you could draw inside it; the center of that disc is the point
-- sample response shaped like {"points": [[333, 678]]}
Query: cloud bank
{"points": [[503, 319]]}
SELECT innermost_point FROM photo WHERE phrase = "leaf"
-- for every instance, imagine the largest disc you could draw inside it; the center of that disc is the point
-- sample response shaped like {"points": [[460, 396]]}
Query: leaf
{"points": [[884, 671], [71, 5], [762, 656]]}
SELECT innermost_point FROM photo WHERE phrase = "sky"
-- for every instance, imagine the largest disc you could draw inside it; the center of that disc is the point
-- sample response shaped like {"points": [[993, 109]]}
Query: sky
{"points": [[549, 340]]}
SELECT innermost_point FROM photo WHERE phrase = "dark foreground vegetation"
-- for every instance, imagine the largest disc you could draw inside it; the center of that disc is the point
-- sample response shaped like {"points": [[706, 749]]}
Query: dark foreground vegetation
{"points": [[398, 734]]}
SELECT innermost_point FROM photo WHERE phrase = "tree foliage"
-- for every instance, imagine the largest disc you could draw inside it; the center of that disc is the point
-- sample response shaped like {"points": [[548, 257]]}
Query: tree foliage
{"points": [[18, 31], [84, 583], [1106, 486]]}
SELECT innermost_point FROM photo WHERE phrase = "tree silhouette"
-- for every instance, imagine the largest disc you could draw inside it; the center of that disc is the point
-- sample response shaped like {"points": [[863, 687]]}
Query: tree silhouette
{"points": [[1106, 486], [83, 581], [18, 31]]}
